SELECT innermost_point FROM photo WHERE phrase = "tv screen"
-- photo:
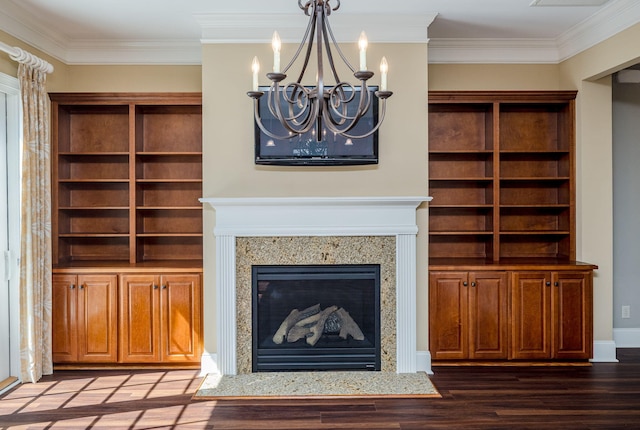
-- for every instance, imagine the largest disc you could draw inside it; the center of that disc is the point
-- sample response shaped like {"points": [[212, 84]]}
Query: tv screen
{"points": [[304, 149]]}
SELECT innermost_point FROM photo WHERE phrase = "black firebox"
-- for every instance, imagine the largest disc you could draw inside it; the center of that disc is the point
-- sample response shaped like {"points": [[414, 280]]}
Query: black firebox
{"points": [[316, 317]]}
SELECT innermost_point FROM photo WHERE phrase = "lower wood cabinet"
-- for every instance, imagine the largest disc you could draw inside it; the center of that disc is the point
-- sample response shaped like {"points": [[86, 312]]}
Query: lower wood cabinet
{"points": [[160, 318], [84, 323], [468, 315], [511, 314], [127, 318], [552, 315]]}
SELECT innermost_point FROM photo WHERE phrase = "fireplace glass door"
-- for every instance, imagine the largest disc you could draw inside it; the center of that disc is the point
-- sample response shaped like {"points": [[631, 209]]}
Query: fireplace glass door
{"points": [[322, 317]]}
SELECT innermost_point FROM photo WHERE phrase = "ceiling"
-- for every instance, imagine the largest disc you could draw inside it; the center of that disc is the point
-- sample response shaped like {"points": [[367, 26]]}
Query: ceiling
{"points": [[171, 32]]}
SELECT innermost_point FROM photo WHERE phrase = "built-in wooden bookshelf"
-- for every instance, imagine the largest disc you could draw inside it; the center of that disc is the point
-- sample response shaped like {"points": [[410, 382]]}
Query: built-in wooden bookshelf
{"points": [[501, 173], [127, 175], [503, 283], [127, 228]]}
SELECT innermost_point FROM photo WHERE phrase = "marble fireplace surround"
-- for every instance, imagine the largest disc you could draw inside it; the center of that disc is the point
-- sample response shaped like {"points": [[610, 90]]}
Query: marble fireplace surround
{"points": [[335, 222]]}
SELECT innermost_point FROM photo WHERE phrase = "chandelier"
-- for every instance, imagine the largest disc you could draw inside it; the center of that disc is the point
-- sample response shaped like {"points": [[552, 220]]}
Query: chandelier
{"points": [[336, 108]]}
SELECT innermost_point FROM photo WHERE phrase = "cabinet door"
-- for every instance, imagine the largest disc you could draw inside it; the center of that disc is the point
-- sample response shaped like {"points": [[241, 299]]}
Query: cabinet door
{"points": [[572, 315], [448, 325], [488, 325], [531, 315], [96, 318], [181, 317], [63, 319], [139, 319]]}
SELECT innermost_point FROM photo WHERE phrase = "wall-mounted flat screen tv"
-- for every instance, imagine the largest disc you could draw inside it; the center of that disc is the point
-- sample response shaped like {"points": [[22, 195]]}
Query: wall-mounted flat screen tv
{"points": [[304, 149]]}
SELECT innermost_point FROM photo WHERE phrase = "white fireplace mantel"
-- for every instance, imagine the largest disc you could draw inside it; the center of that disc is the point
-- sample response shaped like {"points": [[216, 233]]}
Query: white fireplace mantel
{"points": [[316, 216]]}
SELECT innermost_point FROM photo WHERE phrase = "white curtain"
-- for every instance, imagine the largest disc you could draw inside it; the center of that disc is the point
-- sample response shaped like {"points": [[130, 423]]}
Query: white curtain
{"points": [[35, 252]]}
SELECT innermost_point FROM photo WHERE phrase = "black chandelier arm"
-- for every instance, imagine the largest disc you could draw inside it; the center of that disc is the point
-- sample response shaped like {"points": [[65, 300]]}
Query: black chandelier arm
{"points": [[337, 96], [299, 93], [258, 120], [329, 31], [308, 40], [336, 104], [326, 25], [383, 111], [303, 120]]}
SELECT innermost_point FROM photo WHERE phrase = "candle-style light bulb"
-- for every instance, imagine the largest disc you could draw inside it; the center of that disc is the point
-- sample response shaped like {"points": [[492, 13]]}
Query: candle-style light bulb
{"points": [[255, 67], [276, 45], [384, 68], [362, 44]]}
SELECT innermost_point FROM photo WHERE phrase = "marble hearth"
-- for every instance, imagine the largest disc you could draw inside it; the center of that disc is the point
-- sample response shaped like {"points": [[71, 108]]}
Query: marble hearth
{"points": [[345, 230]]}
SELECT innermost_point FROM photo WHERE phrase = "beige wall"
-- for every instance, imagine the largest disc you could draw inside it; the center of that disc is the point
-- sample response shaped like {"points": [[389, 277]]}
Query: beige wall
{"points": [[451, 77], [590, 73], [77, 78], [228, 137], [228, 146], [10, 67], [131, 79]]}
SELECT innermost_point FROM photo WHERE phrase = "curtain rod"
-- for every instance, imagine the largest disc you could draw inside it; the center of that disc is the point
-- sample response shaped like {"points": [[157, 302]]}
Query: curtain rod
{"points": [[22, 56]]}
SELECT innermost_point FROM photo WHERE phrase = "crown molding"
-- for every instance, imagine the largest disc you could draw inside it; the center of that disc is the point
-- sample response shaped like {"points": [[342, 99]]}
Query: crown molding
{"points": [[610, 20], [135, 52], [258, 28], [480, 51], [19, 24]]}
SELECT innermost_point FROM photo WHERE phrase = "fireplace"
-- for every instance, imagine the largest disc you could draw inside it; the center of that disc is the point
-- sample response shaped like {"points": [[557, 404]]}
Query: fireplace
{"points": [[319, 317], [314, 230]]}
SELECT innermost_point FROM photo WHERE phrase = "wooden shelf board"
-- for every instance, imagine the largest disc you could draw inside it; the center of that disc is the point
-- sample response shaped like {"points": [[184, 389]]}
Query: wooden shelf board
{"points": [[535, 178], [537, 263], [468, 179], [534, 152], [167, 266], [92, 153], [93, 208], [167, 208], [556, 206], [176, 181], [460, 233], [461, 151], [93, 181], [169, 235], [169, 153], [486, 206], [93, 235], [535, 233]]}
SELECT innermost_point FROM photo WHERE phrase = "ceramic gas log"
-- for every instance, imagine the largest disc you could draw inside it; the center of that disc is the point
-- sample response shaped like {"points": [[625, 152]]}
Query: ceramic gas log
{"points": [[311, 323]]}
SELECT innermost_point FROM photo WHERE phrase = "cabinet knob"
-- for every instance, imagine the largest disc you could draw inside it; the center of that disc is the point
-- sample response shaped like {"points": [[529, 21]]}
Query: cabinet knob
{"points": [[473, 284], [548, 284], [155, 287], [465, 283], [72, 286], [556, 283], [164, 287]]}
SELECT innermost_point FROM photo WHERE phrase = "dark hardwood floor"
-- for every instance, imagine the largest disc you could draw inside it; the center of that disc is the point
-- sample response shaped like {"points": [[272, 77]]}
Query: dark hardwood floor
{"points": [[601, 396]]}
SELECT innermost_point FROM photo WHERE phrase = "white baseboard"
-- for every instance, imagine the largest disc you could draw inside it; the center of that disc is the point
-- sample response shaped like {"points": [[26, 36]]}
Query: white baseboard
{"points": [[627, 337], [604, 351], [423, 363], [209, 364]]}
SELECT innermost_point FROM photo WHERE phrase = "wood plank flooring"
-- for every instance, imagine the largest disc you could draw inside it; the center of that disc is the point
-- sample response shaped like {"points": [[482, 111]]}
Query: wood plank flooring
{"points": [[602, 396]]}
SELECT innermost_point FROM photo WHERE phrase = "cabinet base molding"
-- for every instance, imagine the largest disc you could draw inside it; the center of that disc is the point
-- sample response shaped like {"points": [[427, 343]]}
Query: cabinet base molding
{"points": [[115, 366], [511, 363]]}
